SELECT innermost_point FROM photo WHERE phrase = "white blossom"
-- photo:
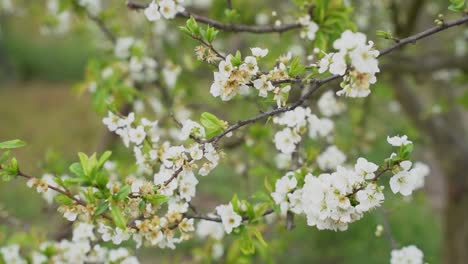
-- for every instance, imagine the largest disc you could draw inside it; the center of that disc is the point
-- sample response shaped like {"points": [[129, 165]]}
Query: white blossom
{"points": [[403, 182], [229, 218], [152, 11], [328, 105], [330, 158], [259, 52], [398, 141], [407, 255], [168, 8], [137, 135], [286, 140], [365, 168]]}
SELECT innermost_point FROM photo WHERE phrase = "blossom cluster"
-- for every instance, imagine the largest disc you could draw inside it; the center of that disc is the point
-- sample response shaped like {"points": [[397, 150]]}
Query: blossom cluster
{"points": [[407, 177], [301, 120], [355, 60], [310, 27], [235, 76], [155, 222], [334, 200], [165, 8], [331, 200], [79, 250], [175, 178], [409, 254]]}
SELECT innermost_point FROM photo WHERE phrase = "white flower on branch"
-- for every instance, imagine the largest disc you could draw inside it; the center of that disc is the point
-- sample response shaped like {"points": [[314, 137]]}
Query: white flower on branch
{"points": [[398, 141], [362, 60], [152, 11], [168, 8], [229, 218]]}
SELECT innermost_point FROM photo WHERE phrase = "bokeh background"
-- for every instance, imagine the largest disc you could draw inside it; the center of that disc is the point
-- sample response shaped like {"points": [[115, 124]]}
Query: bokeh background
{"points": [[39, 105]]}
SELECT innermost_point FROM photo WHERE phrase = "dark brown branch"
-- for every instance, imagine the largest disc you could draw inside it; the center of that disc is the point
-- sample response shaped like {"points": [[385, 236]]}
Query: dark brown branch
{"points": [[423, 34], [226, 27]]}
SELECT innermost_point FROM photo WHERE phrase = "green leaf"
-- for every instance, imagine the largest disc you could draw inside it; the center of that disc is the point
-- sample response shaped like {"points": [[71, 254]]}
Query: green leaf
{"points": [[156, 199], [123, 192], [267, 185], [192, 26], [384, 34], [13, 166], [237, 59], [76, 169], [101, 208], [62, 199], [235, 203], [117, 216], [209, 34], [104, 157], [213, 125], [84, 161], [246, 243], [11, 144], [457, 5], [296, 68], [259, 236], [101, 181], [4, 157], [6, 177]]}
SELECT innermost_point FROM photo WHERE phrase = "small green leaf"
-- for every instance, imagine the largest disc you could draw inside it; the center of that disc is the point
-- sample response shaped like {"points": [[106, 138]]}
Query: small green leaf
{"points": [[117, 216], [457, 5], [212, 124], [156, 199], [259, 236], [104, 157], [76, 169], [4, 157], [63, 199], [85, 165], [237, 59], [235, 203], [384, 34], [267, 185], [246, 243], [123, 192], [101, 208], [13, 166], [192, 26], [296, 68], [11, 144]]}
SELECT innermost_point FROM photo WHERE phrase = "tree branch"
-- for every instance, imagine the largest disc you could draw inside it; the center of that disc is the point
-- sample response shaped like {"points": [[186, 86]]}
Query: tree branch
{"points": [[319, 82], [226, 27]]}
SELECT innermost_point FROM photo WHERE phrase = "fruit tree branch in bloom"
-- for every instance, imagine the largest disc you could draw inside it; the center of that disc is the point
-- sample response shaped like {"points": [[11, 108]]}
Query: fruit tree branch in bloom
{"points": [[318, 83], [225, 27]]}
